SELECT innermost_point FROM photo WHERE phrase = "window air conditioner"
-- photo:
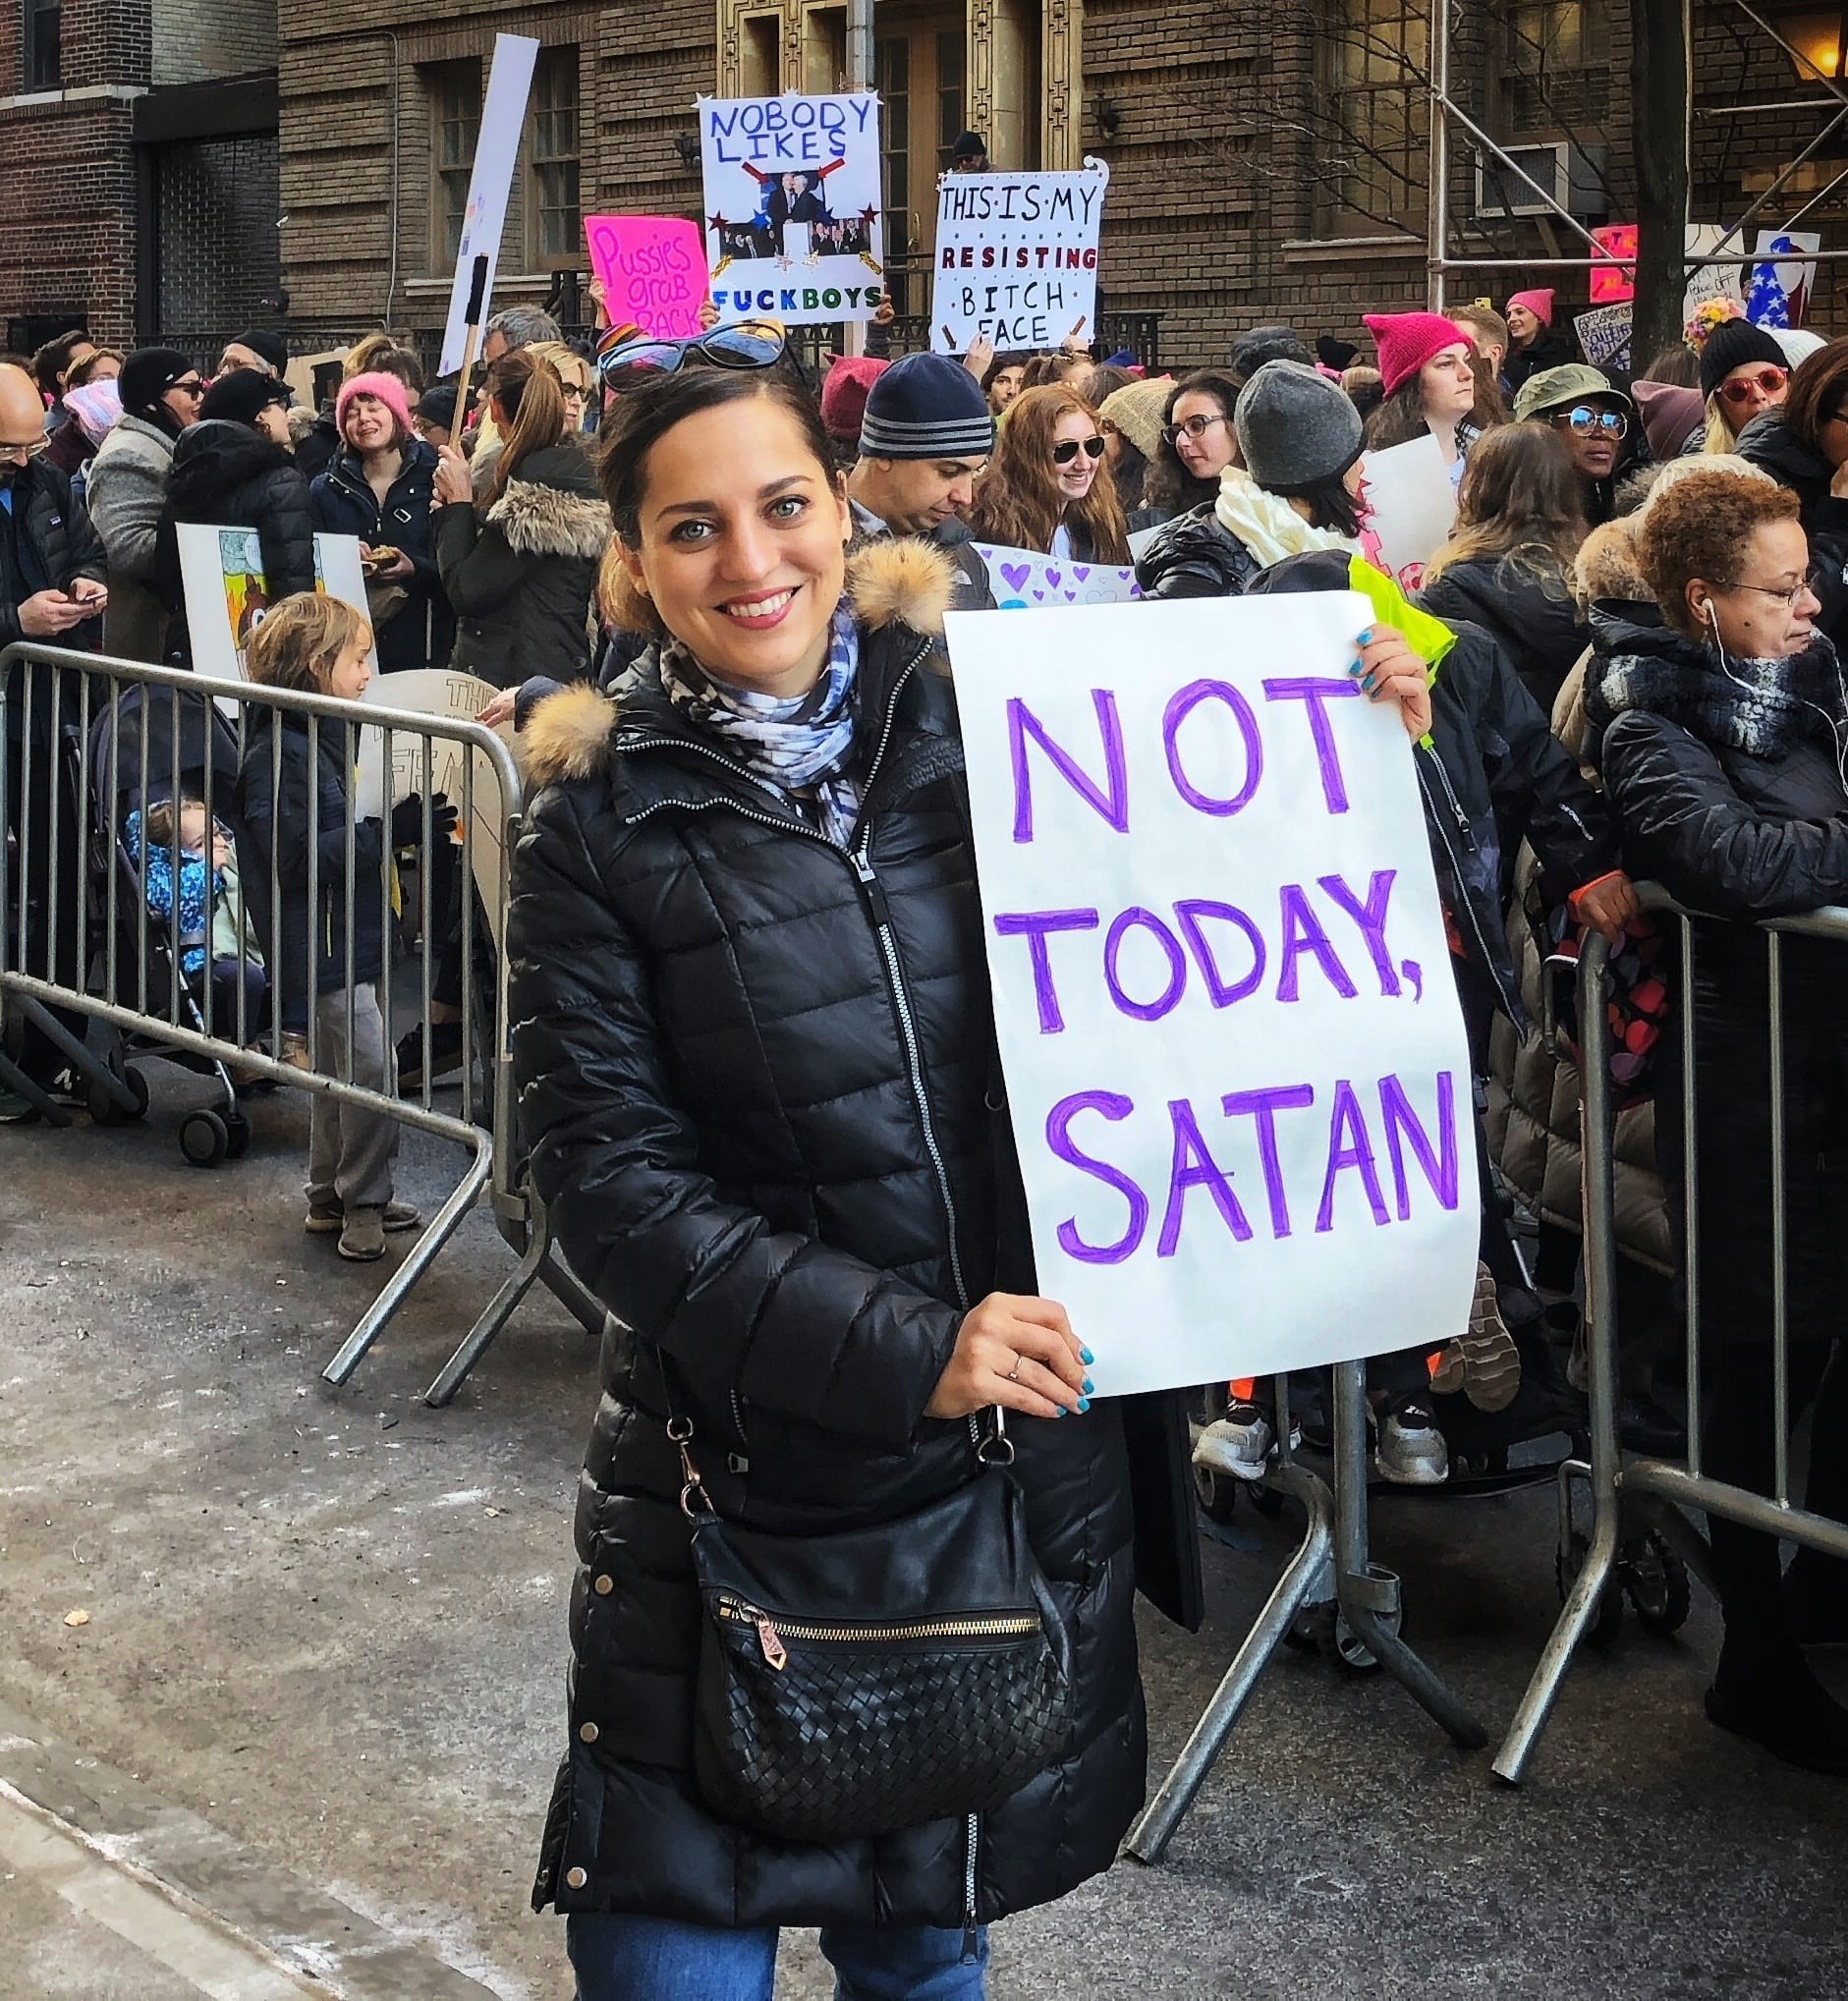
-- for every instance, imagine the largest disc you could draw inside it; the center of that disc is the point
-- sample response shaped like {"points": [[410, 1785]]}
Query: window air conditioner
{"points": [[1568, 173]]}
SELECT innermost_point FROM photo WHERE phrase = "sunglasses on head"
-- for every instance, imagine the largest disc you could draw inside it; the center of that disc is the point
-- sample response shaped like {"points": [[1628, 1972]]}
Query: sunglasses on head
{"points": [[1767, 382], [1063, 455], [750, 344], [1584, 418]]}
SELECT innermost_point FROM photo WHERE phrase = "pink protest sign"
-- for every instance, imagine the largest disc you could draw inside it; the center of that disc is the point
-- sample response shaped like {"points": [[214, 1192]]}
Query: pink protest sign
{"points": [[1615, 287], [652, 269]]}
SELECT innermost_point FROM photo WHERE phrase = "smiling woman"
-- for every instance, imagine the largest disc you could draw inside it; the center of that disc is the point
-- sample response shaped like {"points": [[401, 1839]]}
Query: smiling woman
{"points": [[750, 1024]]}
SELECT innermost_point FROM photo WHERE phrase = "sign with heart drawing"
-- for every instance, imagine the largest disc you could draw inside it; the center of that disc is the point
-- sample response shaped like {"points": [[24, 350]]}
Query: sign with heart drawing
{"points": [[1025, 582]]}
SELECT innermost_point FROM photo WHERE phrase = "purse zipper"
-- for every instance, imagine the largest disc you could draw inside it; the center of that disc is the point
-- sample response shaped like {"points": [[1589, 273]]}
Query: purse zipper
{"points": [[773, 1630]]}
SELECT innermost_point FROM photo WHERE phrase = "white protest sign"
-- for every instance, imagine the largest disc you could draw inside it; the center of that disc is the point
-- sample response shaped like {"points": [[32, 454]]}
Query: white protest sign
{"points": [[1604, 336], [1234, 1059], [1023, 579], [1711, 281], [496, 148], [1016, 257], [793, 207], [1412, 505]]}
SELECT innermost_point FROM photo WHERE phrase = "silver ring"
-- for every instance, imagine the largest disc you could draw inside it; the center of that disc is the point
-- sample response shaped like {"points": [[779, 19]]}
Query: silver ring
{"points": [[1013, 1374]]}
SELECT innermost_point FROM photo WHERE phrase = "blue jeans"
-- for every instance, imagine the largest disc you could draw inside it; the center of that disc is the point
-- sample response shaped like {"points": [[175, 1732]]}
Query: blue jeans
{"points": [[622, 1958]]}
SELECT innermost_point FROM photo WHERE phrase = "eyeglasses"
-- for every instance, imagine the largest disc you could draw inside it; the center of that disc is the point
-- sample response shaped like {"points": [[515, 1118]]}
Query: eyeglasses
{"points": [[1582, 419], [1767, 382], [1063, 455], [24, 455], [1786, 595], [750, 344], [1195, 426]]}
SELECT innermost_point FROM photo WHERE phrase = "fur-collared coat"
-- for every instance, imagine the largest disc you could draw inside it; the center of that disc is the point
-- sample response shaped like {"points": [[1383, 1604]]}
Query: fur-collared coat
{"points": [[519, 573], [752, 1068]]}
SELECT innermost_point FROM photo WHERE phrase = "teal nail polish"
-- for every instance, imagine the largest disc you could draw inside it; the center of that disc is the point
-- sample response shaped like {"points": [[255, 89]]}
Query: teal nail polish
{"points": [[1086, 1386], [1060, 1408], [1356, 664], [1085, 1357], [1367, 638], [1084, 1403], [1366, 686]]}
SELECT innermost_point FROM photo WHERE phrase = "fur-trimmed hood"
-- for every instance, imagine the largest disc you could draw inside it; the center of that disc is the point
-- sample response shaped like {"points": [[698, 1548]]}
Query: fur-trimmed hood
{"points": [[902, 585], [554, 507]]}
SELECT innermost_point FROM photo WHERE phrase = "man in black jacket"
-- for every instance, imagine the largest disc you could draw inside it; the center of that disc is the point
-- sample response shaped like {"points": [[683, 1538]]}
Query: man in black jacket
{"points": [[51, 591]]}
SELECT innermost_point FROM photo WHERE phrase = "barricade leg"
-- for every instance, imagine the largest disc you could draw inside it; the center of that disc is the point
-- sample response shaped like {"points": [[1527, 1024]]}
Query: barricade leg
{"points": [[1295, 1589], [83, 1059], [16, 1081]]}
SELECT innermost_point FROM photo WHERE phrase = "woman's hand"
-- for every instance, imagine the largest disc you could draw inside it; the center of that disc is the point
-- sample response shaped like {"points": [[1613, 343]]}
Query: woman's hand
{"points": [[1016, 1352], [1606, 904], [1389, 671], [394, 571], [453, 483], [708, 315], [981, 354], [500, 709], [886, 312]]}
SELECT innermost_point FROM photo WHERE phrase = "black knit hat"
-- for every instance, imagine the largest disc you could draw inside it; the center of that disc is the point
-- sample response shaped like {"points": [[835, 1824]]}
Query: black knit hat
{"points": [[242, 397], [271, 346], [438, 407], [1258, 345], [146, 376], [926, 406], [970, 145], [1736, 344]]}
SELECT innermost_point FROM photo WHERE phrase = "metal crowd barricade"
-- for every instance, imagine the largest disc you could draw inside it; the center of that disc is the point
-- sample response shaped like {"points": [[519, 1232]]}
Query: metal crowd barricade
{"points": [[1653, 1493], [104, 738], [1332, 1561]]}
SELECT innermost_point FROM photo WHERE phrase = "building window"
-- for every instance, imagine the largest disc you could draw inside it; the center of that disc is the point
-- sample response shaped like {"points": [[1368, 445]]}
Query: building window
{"points": [[1556, 67], [38, 45], [1378, 110], [455, 98], [950, 114], [558, 236]]}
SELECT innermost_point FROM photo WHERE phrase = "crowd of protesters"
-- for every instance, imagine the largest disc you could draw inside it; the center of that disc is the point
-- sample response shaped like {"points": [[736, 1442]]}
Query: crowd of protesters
{"points": [[694, 578]]}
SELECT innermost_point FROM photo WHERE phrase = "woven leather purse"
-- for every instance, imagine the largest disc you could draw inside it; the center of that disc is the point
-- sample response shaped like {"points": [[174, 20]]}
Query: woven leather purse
{"points": [[875, 1679]]}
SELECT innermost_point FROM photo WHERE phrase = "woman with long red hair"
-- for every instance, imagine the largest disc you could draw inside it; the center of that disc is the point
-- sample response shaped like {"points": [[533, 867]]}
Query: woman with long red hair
{"points": [[1048, 486]]}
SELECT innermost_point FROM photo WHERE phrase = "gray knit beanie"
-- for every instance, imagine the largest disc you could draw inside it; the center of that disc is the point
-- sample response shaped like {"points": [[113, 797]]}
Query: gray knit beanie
{"points": [[1294, 428]]}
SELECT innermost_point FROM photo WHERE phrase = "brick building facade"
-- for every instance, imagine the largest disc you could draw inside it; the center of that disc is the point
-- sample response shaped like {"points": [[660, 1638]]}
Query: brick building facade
{"points": [[139, 148]]}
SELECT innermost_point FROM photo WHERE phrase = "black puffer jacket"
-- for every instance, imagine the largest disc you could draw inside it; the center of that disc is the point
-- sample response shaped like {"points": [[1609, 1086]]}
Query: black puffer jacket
{"points": [[47, 544], [1195, 555], [519, 573], [1734, 802], [1532, 619], [751, 1073], [228, 475], [1491, 773], [1767, 442], [274, 817]]}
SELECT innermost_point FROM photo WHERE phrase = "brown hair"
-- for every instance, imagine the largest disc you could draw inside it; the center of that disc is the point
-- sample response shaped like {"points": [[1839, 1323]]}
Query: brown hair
{"points": [[1699, 528], [162, 821], [533, 401], [1519, 499], [1018, 501], [1168, 483], [363, 356], [1053, 370], [300, 639], [88, 365], [1817, 389], [1483, 319]]}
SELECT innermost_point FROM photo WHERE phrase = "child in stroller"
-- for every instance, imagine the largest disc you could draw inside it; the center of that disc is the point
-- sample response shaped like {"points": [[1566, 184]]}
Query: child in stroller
{"points": [[212, 911]]}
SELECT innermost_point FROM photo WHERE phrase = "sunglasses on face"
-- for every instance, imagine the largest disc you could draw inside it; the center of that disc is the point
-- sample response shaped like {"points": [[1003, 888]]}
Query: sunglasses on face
{"points": [[750, 344], [1585, 419], [192, 387], [1195, 427], [1767, 382], [1063, 455]]}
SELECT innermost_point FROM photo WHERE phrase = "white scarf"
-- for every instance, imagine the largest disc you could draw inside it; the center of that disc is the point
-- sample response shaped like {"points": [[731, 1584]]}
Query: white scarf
{"points": [[1266, 524]]}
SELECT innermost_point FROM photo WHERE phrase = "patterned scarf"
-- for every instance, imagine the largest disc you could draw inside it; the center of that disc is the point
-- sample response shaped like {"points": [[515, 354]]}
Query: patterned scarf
{"points": [[800, 744], [1764, 707]]}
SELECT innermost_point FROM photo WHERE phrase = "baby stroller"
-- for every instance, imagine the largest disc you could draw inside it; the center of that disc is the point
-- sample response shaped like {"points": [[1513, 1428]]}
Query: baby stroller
{"points": [[151, 949]]}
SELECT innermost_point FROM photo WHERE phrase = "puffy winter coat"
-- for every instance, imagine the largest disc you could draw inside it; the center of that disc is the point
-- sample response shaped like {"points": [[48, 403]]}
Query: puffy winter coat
{"points": [[49, 543], [228, 475], [126, 491], [1767, 442], [1491, 770], [520, 575], [274, 813], [1733, 798], [1533, 620], [421, 633], [1194, 555], [752, 1071]]}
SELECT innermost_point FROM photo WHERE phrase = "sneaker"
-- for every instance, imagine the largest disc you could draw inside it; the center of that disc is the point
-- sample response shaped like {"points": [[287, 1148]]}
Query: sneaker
{"points": [[401, 1216], [445, 1055], [1482, 1362], [1241, 1442], [1784, 1709], [324, 1219], [295, 1051], [15, 1110], [1410, 1451], [362, 1235]]}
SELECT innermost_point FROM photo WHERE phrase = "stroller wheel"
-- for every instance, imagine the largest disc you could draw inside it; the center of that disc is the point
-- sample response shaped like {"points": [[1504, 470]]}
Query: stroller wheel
{"points": [[237, 1136], [204, 1139], [1657, 1581], [103, 1109]]}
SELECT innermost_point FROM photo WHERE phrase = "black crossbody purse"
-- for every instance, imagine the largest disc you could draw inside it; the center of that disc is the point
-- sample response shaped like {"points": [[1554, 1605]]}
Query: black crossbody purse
{"points": [[857, 1683]]}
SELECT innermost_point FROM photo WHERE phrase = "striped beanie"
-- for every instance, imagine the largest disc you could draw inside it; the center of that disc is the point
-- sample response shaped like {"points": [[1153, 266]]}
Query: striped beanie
{"points": [[926, 406]]}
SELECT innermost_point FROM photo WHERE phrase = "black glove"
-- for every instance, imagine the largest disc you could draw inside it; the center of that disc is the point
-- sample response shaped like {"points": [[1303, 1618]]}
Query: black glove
{"points": [[407, 819]]}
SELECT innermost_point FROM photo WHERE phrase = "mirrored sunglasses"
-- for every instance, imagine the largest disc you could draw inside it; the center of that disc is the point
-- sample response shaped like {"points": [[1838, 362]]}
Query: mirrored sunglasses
{"points": [[1767, 382], [1584, 418], [750, 344]]}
